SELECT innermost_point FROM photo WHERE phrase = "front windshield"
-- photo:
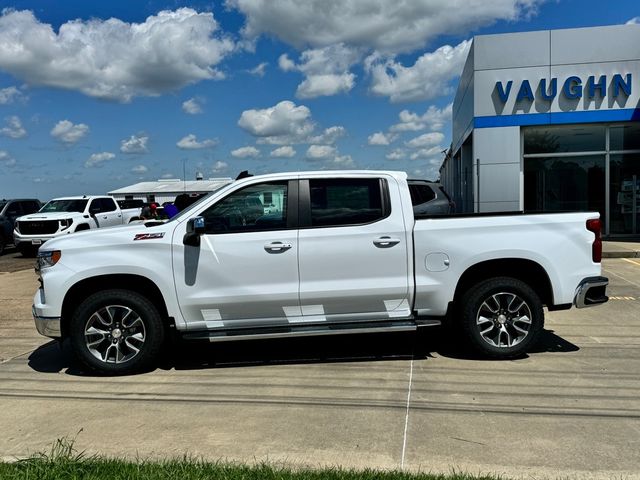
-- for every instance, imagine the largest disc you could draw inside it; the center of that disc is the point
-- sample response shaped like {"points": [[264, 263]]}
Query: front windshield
{"points": [[2, 204], [65, 206]]}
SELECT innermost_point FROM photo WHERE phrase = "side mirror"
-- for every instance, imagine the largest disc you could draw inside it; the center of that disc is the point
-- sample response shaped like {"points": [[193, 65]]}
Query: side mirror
{"points": [[195, 228]]}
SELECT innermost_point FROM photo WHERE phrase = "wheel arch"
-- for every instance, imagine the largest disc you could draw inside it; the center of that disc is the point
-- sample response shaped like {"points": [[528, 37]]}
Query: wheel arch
{"points": [[528, 271], [88, 286]]}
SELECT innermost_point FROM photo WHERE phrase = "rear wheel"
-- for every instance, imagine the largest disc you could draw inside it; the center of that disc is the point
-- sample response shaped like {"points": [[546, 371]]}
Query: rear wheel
{"points": [[3, 244], [117, 332], [501, 317]]}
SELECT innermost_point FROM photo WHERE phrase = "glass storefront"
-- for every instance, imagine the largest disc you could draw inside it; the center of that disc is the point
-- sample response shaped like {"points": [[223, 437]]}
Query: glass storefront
{"points": [[585, 168]]}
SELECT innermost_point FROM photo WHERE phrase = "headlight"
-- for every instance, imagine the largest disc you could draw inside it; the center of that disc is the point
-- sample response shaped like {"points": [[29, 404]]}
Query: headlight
{"points": [[66, 223], [48, 258]]}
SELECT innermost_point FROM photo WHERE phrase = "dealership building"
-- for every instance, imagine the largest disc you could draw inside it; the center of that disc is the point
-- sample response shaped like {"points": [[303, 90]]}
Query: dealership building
{"points": [[549, 121]]}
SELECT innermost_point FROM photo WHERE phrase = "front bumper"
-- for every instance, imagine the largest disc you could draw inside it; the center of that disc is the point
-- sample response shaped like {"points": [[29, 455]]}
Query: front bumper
{"points": [[35, 240], [47, 326], [591, 292]]}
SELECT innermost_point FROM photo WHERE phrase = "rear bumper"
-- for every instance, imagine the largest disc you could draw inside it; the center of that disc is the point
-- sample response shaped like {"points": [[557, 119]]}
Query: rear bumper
{"points": [[591, 291]]}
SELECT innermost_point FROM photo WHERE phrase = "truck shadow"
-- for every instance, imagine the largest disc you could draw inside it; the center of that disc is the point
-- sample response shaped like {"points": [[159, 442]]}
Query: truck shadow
{"points": [[424, 345]]}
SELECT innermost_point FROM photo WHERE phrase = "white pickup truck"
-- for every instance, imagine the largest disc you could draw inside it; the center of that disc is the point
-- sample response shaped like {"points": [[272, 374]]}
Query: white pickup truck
{"points": [[62, 216], [337, 253]]}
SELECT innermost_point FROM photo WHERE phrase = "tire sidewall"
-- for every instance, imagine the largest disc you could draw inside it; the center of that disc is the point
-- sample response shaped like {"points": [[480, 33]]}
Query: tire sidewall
{"points": [[474, 298], [154, 331]]}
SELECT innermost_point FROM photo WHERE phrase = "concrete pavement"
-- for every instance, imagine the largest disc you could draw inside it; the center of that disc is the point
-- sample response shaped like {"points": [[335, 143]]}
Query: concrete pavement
{"points": [[570, 409], [617, 249]]}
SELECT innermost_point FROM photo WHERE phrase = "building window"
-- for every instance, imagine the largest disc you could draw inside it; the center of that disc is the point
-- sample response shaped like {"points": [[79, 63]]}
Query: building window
{"points": [[585, 168]]}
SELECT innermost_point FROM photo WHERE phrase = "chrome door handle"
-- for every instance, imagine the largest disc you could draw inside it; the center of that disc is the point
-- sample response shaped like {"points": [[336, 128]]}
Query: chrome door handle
{"points": [[386, 242], [277, 247]]}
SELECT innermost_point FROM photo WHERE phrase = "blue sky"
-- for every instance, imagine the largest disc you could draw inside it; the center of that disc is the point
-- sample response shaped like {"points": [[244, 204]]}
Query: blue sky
{"points": [[99, 95]]}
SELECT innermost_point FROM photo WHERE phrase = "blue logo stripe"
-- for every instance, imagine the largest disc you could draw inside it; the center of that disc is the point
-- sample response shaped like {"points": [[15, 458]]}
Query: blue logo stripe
{"points": [[557, 118]]}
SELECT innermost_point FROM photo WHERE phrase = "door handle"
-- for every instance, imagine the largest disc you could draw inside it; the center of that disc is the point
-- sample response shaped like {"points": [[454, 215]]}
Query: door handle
{"points": [[386, 242], [104, 217], [277, 247]]}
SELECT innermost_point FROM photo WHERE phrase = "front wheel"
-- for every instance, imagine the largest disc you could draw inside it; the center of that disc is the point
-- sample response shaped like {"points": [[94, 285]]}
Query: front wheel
{"points": [[501, 317], [117, 332]]}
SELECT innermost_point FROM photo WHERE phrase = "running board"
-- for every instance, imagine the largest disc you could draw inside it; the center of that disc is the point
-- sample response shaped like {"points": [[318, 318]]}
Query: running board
{"points": [[307, 330]]}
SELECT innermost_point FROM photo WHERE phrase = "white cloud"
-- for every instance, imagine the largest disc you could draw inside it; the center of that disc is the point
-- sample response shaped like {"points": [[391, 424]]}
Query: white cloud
{"points": [[246, 152], [325, 85], [68, 132], [259, 70], [190, 142], [6, 159], [112, 59], [318, 152], [9, 95], [380, 138], [97, 159], [386, 26], [14, 128], [134, 144], [341, 162], [193, 106], [168, 175], [429, 77], [139, 169], [219, 167], [434, 154], [326, 70], [285, 123], [426, 140], [286, 151], [285, 63], [433, 119], [329, 136], [634, 21], [396, 155]]}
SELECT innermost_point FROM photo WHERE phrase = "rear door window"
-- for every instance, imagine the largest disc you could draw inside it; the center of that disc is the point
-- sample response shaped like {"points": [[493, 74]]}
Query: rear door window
{"points": [[345, 201]]}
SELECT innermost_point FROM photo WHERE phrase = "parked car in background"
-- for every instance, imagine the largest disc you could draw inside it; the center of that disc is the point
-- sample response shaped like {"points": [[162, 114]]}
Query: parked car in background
{"points": [[62, 216], [430, 198], [9, 211]]}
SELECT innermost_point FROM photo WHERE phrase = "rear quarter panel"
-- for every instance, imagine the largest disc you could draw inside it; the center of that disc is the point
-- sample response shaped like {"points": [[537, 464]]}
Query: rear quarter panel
{"points": [[560, 243]]}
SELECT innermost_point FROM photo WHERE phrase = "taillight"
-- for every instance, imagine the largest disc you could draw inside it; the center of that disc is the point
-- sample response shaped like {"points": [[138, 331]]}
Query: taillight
{"points": [[594, 226]]}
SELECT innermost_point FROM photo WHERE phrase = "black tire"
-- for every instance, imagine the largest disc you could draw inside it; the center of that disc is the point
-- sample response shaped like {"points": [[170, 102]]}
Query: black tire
{"points": [[493, 314], [3, 244], [142, 329]]}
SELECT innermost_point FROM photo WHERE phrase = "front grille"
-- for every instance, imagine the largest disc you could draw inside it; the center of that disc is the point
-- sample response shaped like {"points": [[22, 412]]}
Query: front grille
{"points": [[44, 227]]}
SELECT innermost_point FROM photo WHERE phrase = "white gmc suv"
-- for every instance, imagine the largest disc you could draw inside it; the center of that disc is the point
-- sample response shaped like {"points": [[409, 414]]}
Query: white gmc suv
{"points": [[62, 216], [334, 253]]}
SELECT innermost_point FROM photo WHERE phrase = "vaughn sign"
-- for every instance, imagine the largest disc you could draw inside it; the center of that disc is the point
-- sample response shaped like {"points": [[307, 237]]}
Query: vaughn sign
{"points": [[572, 88]]}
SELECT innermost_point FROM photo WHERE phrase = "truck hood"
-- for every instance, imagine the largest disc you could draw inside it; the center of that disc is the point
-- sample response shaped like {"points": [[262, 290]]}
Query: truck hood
{"points": [[50, 216], [112, 236]]}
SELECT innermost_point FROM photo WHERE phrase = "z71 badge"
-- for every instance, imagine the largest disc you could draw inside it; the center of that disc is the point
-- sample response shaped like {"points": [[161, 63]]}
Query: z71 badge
{"points": [[148, 236]]}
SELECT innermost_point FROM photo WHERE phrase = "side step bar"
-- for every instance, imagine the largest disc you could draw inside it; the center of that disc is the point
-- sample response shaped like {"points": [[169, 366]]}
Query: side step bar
{"points": [[307, 330]]}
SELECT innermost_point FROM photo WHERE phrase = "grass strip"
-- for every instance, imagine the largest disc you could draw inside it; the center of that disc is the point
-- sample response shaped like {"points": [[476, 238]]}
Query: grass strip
{"points": [[64, 462]]}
